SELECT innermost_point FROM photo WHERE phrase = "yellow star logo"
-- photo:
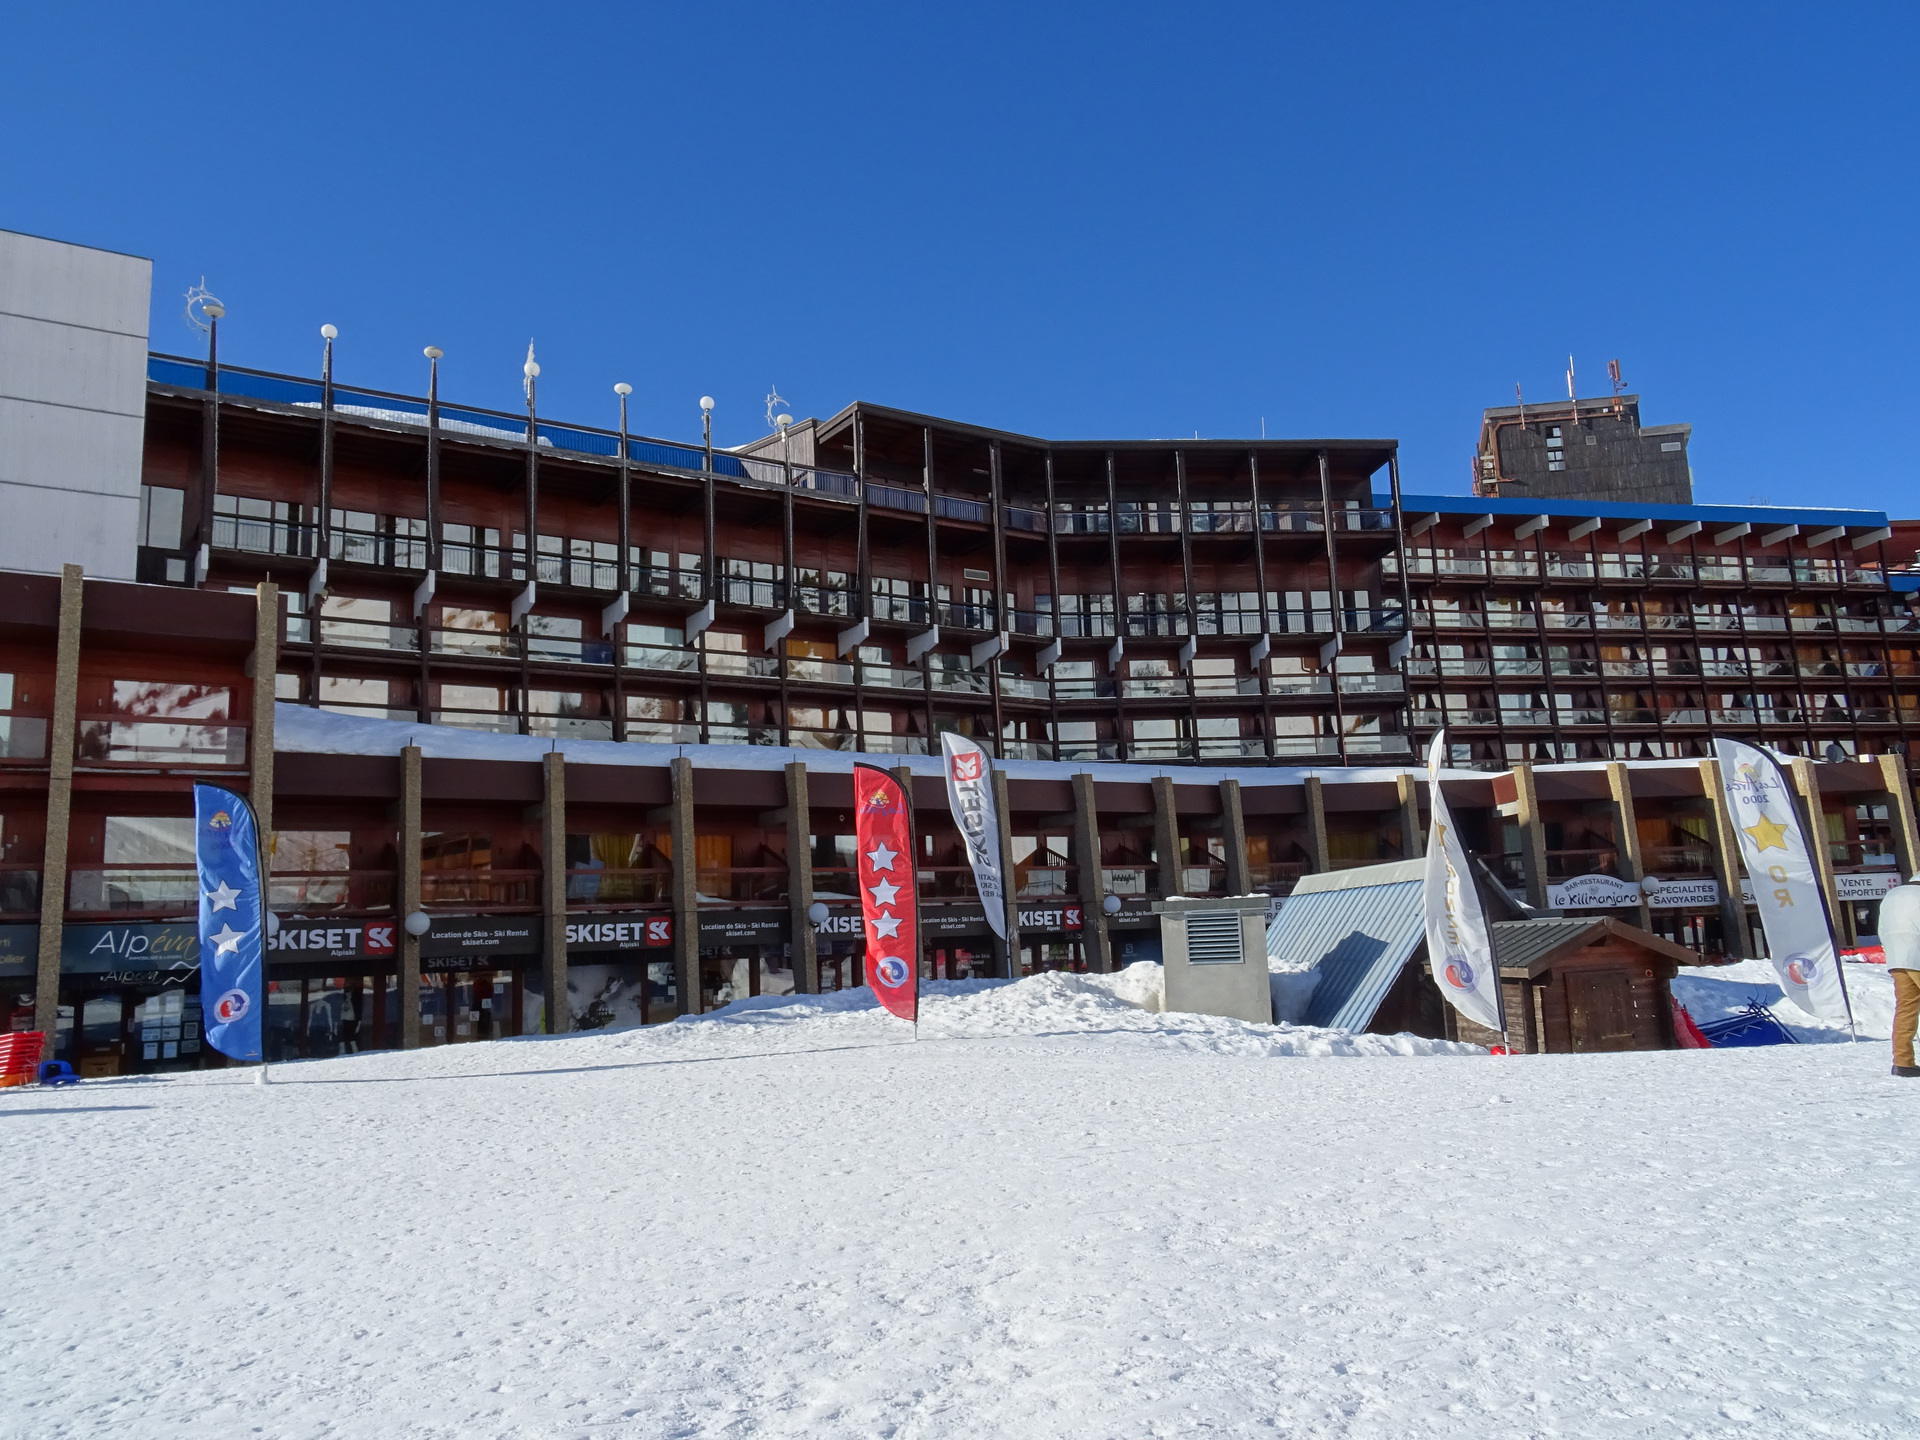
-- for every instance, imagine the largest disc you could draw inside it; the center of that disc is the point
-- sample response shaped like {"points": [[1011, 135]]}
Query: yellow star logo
{"points": [[1767, 832]]}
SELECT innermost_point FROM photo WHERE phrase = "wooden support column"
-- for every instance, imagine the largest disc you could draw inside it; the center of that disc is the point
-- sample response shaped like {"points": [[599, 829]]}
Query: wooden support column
{"points": [[1010, 889], [1319, 853], [1533, 835], [1233, 823], [1814, 818], [1413, 844], [805, 945], [411, 896], [1738, 934], [686, 898], [1627, 836], [1906, 832], [553, 837], [1093, 889], [60, 743], [1166, 837]]}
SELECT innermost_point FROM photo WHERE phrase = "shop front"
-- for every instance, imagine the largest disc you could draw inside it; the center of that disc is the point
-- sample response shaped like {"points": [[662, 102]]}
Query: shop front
{"points": [[620, 970], [480, 979], [333, 987], [130, 1000], [743, 953]]}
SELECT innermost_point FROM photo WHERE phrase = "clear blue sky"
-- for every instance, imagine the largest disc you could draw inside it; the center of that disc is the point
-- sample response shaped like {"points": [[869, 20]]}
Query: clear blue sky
{"points": [[1068, 219]]}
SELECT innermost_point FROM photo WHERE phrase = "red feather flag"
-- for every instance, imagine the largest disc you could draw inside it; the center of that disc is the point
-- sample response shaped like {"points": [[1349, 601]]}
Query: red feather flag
{"points": [[889, 908]]}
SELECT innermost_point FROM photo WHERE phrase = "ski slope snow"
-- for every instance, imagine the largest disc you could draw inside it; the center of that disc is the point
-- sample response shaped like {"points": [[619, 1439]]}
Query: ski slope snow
{"points": [[1057, 1213]]}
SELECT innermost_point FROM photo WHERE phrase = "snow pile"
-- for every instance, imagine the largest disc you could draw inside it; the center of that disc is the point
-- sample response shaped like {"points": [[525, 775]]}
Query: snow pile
{"points": [[1123, 1007], [483, 430], [1716, 992]]}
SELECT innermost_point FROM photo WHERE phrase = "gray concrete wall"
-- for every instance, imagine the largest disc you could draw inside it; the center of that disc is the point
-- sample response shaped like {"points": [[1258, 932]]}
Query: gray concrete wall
{"points": [[73, 404]]}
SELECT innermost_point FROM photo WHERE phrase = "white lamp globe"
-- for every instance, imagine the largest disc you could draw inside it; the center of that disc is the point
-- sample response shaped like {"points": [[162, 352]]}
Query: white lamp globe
{"points": [[623, 389], [329, 332], [706, 403]]}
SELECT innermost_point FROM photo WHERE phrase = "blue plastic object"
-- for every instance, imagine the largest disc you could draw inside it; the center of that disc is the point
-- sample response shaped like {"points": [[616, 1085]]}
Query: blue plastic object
{"points": [[1755, 1025], [57, 1072]]}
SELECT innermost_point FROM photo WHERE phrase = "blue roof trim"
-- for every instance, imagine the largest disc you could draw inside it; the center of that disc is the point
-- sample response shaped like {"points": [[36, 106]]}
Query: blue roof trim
{"points": [[1613, 509]]}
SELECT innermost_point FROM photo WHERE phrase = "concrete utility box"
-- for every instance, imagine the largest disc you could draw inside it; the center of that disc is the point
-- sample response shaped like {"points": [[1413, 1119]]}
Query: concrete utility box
{"points": [[1215, 953]]}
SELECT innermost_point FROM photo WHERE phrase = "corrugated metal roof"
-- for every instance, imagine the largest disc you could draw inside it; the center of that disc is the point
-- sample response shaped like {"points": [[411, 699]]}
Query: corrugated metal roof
{"points": [[1357, 928], [1517, 944]]}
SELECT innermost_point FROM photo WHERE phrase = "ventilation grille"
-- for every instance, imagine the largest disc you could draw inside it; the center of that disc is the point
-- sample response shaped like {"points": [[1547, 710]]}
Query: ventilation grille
{"points": [[1213, 938]]}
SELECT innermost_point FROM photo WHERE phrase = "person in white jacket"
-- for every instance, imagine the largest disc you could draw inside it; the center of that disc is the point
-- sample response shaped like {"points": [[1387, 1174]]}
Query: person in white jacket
{"points": [[1900, 937]]}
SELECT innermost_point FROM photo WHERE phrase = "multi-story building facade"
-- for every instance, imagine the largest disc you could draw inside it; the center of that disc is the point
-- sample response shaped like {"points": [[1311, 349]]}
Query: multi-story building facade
{"points": [[864, 582], [608, 690]]}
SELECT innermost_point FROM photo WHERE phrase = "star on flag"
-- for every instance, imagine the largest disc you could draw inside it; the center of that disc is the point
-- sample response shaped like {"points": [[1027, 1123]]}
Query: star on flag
{"points": [[224, 897], [884, 893], [226, 940], [887, 925], [882, 858], [1767, 832]]}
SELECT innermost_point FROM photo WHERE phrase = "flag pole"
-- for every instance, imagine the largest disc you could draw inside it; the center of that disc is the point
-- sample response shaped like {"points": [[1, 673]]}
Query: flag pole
{"points": [[260, 878]]}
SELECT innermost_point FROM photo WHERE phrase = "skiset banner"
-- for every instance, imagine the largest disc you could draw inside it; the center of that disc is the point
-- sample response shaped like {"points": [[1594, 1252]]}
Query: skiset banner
{"points": [[970, 796], [232, 920], [1459, 946], [1786, 892], [889, 908]]}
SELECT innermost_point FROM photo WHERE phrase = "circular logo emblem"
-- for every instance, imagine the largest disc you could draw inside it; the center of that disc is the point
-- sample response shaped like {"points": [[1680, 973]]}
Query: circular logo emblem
{"points": [[1459, 972], [1798, 970], [892, 971], [232, 1006]]}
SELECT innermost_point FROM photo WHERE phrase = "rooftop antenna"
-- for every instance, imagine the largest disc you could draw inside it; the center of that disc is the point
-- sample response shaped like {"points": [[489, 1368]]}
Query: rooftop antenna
{"points": [[1613, 374], [1572, 396], [776, 402], [1263, 427], [199, 299]]}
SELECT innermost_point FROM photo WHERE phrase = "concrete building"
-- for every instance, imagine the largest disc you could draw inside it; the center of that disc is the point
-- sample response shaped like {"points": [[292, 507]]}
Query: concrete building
{"points": [[73, 404]]}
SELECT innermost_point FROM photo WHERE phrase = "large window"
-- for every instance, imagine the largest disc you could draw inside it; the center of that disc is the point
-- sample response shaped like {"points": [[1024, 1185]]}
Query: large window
{"points": [[159, 722]]}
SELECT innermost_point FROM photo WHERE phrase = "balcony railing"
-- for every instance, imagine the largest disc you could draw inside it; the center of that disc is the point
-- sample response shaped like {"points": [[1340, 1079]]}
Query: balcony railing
{"points": [[481, 889], [339, 890], [101, 741], [135, 889]]}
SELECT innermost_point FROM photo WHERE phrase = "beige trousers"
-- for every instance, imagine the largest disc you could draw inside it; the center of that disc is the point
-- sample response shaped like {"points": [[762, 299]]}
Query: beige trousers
{"points": [[1906, 1011]]}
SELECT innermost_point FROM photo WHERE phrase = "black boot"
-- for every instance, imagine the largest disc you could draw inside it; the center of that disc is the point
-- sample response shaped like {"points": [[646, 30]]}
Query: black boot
{"points": [[1907, 1072]]}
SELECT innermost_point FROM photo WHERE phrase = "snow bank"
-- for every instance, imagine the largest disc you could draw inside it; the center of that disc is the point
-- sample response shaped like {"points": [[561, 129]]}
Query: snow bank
{"points": [[1716, 992], [1123, 1007]]}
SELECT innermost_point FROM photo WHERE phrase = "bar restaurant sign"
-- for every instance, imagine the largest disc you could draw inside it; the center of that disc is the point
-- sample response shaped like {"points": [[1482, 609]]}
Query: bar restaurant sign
{"points": [[1610, 892]]}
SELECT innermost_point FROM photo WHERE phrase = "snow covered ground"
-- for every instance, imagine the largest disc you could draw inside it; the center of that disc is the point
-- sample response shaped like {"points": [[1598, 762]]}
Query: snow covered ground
{"points": [[1055, 1214], [1723, 990]]}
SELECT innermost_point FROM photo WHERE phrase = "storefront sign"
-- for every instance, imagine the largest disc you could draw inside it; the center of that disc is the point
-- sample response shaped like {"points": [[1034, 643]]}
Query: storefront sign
{"points": [[766, 926], [1854, 889], [103, 949], [19, 950], [1609, 892], [461, 937], [1593, 892], [334, 938], [963, 919], [1698, 892], [588, 934]]}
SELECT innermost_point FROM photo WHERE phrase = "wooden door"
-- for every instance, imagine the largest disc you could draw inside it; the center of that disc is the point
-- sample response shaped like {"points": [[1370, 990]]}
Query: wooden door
{"points": [[1600, 1009]]}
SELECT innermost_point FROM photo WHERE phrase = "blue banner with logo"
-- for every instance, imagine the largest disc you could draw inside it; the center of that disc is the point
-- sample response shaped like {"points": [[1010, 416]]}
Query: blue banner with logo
{"points": [[232, 973]]}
